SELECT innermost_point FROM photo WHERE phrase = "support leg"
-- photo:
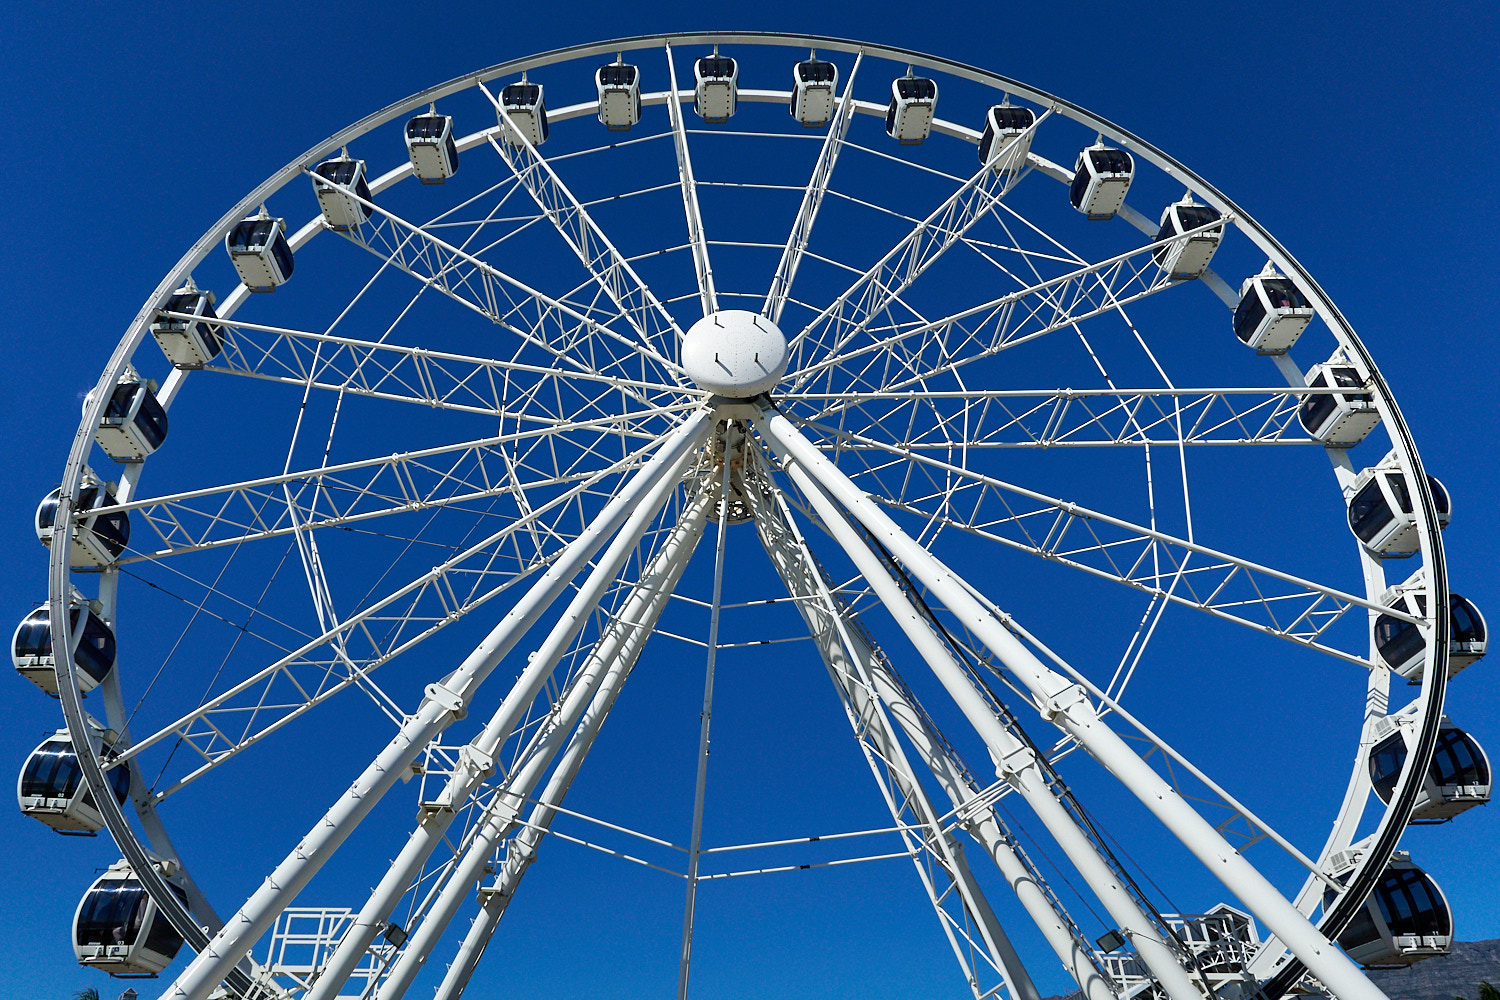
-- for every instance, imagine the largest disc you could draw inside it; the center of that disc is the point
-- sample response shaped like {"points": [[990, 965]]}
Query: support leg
{"points": [[476, 759], [1068, 706], [847, 659], [445, 701], [619, 648], [1016, 760]]}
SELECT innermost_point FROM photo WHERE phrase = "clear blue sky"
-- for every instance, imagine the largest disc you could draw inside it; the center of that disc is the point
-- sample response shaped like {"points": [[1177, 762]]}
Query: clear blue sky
{"points": [[1361, 135]]}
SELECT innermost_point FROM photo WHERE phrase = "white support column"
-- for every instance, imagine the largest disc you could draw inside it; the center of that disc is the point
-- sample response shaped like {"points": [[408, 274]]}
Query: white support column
{"points": [[733, 435], [1016, 762], [1067, 705], [477, 759], [849, 662], [445, 701], [982, 823], [618, 649]]}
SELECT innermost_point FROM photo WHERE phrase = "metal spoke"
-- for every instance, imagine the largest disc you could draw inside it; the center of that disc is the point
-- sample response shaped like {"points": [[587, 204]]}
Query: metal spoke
{"points": [[701, 266], [986, 329], [846, 318], [640, 307], [1270, 600], [979, 419], [812, 199]]}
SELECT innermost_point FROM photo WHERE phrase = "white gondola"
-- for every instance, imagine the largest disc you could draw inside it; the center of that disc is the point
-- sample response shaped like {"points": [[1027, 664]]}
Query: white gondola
{"points": [[260, 251], [814, 83], [526, 106], [1338, 419], [1406, 918], [188, 343], [98, 538], [1101, 179], [1401, 646], [430, 145], [118, 928], [51, 789], [908, 118], [1187, 257], [619, 87], [1380, 509], [31, 648], [1006, 138], [1458, 779], [134, 423], [716, 87], [340, 211], [1272, 313]]}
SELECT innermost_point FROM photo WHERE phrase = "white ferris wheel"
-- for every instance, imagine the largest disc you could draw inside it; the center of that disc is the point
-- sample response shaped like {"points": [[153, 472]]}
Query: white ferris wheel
{"points": [[732, 343]]}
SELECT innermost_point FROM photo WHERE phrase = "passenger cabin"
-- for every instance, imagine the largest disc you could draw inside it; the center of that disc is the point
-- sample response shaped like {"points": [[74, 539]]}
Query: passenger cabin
{"points": [[99, 537], [1006, 139], [619, 88], [716, 88], [526, 107], [51, 789], [260, 252], [814, 82], [1101, 178], [1405, 920], [429, 143], [1272, 313], [341, 211], [1458, 778], [1380, 509], [188, 343], [134, 423], [31, 648], [1338, 419], [908, 119], [119, 929], [1401, 646], [1187, 257]]}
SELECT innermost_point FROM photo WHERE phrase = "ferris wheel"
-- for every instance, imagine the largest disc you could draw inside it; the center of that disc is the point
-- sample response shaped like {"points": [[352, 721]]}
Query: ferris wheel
{"points": [[808, 361]]}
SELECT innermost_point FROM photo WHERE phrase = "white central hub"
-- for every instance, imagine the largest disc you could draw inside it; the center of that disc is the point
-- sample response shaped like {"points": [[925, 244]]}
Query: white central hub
{"points": [[734, 353]]}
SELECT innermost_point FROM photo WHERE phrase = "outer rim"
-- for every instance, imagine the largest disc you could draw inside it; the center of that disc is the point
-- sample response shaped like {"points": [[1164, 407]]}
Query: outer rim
{"points": [[1394, 820]]}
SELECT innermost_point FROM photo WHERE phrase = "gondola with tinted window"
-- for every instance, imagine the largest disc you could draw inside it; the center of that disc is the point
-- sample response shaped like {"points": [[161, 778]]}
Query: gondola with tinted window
{"points": [[908, 118], [1271, 314], [430, 145], [51, 789], [98, 537], [716, 87], [1406, 918], [1458, 778], [1006, 139], [341, 211], [134, 423], [526, 107], [260, 252], [118, 928], [1186, 257], [1400, 645], [1101, 179], [1338, 419], [188, 342], [814, 82], [31, 648], [619, 87], [1380, 509]]}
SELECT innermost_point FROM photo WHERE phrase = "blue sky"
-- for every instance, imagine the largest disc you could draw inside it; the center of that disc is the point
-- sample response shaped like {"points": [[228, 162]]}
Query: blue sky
{"points": [[1358, 134]]}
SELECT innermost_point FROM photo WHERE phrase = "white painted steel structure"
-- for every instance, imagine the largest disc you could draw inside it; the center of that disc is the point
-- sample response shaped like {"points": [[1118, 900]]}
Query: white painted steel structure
{"points": [[597, 378]]}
